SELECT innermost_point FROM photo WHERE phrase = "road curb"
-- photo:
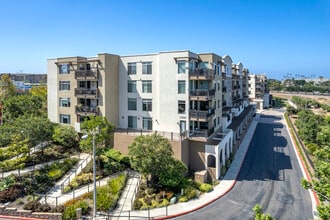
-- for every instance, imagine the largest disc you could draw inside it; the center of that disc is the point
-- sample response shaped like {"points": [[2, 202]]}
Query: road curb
{"points": [[314, 197]]}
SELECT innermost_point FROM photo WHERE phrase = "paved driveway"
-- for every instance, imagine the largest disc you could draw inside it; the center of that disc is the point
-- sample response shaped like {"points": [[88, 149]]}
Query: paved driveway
{"points": [[270, 176]]}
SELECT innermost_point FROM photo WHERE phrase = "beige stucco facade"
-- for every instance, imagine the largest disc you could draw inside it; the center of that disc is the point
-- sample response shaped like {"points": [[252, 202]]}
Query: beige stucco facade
{"points": [[191, 99]]}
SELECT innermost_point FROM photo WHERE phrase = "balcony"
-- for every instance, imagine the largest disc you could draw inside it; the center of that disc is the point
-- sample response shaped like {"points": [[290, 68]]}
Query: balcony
{"points": [[234, 87], [202, 74], [235, 76], [86, 75], [87, 110], [201, 133], [86, 93], [200, 115], [203, 95]]}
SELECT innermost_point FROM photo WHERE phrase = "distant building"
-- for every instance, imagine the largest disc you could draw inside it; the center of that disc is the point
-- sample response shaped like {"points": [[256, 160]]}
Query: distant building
{"points": [[259, 91], [28, 77], [198, 101]]}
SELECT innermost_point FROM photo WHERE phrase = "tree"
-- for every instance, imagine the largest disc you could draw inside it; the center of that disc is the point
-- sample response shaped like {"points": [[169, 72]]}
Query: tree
{"points": [[65, 136], [101, 128], [7, 87], [39, 91], [259, 214], [16, 106], [173, 176], [36, 129], [151, 155]]}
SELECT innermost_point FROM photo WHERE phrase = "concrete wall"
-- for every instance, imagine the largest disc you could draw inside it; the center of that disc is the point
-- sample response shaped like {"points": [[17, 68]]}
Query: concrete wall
{"points": [[109, 87], [52, 91], [196, 155], [180, 149]]}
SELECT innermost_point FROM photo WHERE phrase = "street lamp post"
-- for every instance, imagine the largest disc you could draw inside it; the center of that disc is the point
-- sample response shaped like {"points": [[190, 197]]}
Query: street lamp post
{"points": [[94, 173], [94, 178]]}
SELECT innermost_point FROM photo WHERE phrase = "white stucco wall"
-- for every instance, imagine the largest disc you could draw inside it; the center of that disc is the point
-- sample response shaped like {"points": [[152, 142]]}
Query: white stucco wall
{"points": [[52, 88]]}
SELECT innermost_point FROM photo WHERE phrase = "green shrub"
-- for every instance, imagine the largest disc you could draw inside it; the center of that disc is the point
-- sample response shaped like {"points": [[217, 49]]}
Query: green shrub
{"points": [[137, 204], [190, 192], [165, 202], [228, 163], [223, 170], [205, 187], [183, 199], [70, 211]]}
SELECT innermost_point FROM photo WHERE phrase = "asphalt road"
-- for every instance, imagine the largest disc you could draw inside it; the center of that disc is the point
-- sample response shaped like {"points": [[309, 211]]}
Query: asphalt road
{"points": [[270, 176]]}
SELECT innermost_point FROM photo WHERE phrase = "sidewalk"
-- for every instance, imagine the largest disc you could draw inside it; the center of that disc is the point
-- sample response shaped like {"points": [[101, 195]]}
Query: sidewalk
{"points": [[124, 210]]}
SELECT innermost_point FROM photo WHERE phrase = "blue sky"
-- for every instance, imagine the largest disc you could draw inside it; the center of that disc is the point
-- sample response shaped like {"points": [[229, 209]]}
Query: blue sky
{"points": [[275, 37]]}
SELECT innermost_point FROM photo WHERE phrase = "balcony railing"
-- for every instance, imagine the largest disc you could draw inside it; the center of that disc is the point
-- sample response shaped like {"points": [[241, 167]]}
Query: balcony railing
{"points": [[87, 110], [199, 114], [204, 133], [198, 92], [86, 74], [203, 73], [87, 92]]}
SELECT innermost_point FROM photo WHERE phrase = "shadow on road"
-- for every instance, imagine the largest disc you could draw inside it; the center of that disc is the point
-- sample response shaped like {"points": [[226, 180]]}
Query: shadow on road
{"points": [[266, 158]]}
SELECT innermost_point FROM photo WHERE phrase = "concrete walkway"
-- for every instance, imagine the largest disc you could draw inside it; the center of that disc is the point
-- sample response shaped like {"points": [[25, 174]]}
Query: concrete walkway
{"points": [[56, 191], [124, 211], [124, 205]]}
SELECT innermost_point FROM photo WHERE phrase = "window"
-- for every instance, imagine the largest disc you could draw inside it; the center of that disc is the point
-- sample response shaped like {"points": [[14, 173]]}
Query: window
{"points": [[218, 103], [147, 105], [181, 67], [65, 119], [131, 86], [64, 102], [81, 66], [147, 86], [64, 68], [182, 107], [132, 122], [147, 123], [192, 65], [182, 126], [132, 104], [64, 85], [181, 87], [147, 68], [131, 68]]}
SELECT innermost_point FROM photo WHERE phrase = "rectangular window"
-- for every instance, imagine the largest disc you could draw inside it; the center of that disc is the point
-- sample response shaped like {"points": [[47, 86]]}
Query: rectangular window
{"points": [[182, 107], [147, 105], [131, 86], [65, 119], [147, 123], [132, 122], [131, 68], [146, 86], [81, 66], [181, 86], [64, 102], [131, 104], [181, 67], [147, 68], [64, 68], [64, 85]]}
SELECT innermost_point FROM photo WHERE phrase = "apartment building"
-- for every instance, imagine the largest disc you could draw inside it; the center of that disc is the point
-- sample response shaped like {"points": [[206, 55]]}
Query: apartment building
{"points": [[259, 91], [198, 101], [27, 77]]}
